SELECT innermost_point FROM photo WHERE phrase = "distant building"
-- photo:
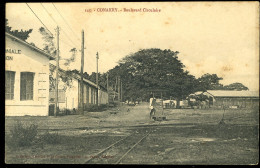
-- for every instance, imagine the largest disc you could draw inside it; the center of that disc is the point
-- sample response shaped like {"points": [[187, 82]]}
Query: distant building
{"points": [[26, 78], [113, 95], [233, 99]]}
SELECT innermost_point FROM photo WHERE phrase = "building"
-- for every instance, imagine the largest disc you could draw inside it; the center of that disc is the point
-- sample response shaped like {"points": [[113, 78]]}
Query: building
{"points": [[233, 99], [26, 78], [69, 96]]}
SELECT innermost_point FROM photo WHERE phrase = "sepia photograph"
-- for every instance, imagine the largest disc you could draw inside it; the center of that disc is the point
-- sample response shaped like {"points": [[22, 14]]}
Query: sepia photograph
{"points": [[132, 83]]}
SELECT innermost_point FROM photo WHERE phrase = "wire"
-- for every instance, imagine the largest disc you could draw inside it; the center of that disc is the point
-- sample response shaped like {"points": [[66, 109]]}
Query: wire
{"points": [[67, 44], [66, 21], [49, 14], [90, 64], [58, 24], [46, 26], [68, 37], [39, 19]]}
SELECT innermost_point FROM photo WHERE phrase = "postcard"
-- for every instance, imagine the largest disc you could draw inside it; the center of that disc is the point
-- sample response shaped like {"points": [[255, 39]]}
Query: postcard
{"points": [[148, 83]]}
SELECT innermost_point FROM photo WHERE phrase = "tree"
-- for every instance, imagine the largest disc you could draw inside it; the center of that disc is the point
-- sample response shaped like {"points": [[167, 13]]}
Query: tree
{"points": [[92, 77], [72, 58], [150, 69], [49, 46], [102, 78], [235, 86], [209, 82], [22, 34], [50, 49]]}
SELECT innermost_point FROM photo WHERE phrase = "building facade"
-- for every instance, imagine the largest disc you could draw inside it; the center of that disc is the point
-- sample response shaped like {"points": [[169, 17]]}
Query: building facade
{"points": [[69, 96], [26, 78], [234, 99]]}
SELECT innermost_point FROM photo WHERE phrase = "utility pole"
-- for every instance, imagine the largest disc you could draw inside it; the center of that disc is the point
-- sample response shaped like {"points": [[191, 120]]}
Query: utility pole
{"points": [[107, 90], [119, 90], [81, 73], [57, 73], [115, 89], [97, 78]]}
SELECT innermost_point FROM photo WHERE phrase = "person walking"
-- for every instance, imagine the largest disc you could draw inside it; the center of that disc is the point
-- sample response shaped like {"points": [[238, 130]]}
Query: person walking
{"points": [[151, 105]]}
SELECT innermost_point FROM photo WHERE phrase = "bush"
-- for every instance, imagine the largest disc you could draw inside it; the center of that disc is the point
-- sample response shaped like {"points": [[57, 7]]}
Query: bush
{"points": [[22, 135], [48, 138]]}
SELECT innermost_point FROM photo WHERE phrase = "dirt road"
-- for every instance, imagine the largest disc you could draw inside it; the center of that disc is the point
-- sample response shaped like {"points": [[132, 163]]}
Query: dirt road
{"points": [[187, 137]]}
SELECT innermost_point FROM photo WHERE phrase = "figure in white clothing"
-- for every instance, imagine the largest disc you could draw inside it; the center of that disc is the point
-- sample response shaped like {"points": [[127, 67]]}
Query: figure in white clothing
{"points": [[151, 105]]}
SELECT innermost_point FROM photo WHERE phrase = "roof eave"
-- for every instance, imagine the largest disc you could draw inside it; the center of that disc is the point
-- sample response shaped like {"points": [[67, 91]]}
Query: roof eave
{"points": [[31, 46]]}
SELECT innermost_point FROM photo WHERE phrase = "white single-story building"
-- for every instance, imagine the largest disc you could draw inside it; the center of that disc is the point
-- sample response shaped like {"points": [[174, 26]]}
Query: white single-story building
{"points": [[69, 97], [26, 78], [232, 98]]}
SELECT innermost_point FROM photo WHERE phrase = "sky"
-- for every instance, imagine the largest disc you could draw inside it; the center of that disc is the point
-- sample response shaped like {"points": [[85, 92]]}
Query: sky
{"points": [[212, 37]]}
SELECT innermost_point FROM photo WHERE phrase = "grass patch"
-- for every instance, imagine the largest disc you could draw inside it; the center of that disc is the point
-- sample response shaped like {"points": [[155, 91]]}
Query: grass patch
{"points": [[95, 108], [25, 135], [50, 138]]}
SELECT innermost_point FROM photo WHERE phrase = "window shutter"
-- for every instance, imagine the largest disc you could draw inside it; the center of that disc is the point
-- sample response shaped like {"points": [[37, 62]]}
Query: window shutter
{"points": [[29, 88], [12, 85], [9, 85], [23, 86], [27, 79]]}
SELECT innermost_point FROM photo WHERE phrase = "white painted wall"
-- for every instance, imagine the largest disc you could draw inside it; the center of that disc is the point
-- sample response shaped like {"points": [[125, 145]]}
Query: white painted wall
{"points": [[102, 97], [28, 61], [72, 95]]}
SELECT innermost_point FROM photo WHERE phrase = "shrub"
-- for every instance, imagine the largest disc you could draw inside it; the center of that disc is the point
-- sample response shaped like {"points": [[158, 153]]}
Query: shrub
{"points": [[22, 135], [49, 138]]}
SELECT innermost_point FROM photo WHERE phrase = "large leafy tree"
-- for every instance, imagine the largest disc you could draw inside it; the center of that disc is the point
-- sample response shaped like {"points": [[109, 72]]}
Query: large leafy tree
{"points": [[235, 86], [153, 69], [102, 78], [22, 34], [209, 82]]}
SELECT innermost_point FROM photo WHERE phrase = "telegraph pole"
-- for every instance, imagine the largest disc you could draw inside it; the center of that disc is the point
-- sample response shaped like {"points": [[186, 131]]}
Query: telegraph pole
{"points": [[119, 89], [107, 90], [81, 73], [115, 89], [57, 73], [107, 82], [97, 78]]}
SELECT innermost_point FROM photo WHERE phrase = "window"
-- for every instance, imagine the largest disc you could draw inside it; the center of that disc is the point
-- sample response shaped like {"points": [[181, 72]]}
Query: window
{"points": [[9, 85], [26, 85]]}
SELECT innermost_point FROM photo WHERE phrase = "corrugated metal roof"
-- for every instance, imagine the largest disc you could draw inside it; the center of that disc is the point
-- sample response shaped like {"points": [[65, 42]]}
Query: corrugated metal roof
{"points": [[232, 93]]}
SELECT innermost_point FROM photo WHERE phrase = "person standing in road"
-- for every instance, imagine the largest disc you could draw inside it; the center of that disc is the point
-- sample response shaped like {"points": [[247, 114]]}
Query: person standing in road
{"points": [[151, 105]]}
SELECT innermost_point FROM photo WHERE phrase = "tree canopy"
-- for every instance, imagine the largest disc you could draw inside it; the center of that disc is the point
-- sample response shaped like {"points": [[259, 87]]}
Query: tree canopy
{"points": [[153, 69], [235, 86], [22, 34], [209, 82], [156, 69], [49, 46]]}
